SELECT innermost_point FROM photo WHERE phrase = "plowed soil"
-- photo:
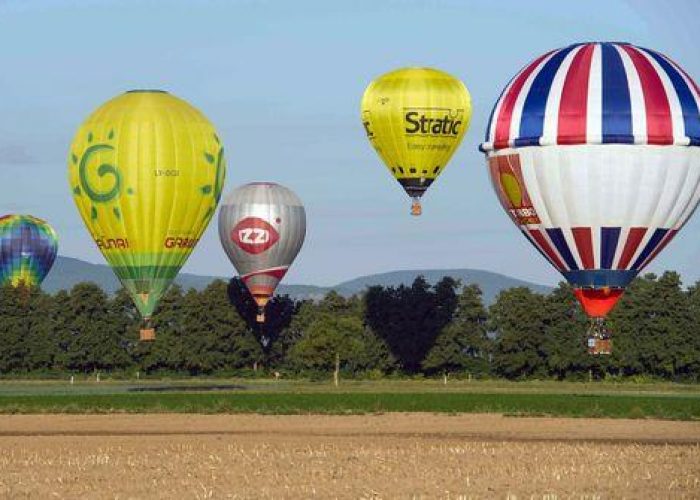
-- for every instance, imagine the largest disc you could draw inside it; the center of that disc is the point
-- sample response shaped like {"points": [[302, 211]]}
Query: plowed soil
{"points": [[369, 456]]}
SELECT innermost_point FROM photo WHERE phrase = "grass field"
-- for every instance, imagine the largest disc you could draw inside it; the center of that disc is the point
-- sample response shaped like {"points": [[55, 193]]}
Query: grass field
{"points": [[385, 439], [622, 400]]}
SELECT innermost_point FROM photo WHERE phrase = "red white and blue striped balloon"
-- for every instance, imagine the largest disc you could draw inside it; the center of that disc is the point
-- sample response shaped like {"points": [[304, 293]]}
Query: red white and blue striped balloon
{"points": [[594, 151]]}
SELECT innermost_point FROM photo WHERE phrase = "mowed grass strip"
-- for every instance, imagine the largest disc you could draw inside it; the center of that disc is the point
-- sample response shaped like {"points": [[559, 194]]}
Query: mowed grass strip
{"points": [[563, 405]]}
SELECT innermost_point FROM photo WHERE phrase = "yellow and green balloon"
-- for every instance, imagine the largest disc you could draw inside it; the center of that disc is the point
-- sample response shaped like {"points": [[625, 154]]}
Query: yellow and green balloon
{"points": [[146, 170]]}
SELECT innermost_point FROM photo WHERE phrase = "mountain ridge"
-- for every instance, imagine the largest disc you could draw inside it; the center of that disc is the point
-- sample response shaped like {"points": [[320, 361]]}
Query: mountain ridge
{"points": [[68, 271]]}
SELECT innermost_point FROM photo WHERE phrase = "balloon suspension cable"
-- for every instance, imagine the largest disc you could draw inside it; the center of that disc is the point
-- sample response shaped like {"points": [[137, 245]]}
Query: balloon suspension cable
{"points": [[599, 338], [147, 332], [260, 323], [416, 208]]}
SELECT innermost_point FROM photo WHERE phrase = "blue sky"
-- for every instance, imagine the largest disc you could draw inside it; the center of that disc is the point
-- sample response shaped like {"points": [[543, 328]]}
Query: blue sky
{"points": [[282, 82]]}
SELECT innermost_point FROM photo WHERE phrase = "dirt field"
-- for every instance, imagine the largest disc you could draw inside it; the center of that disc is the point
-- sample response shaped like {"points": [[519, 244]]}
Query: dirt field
{"points": [[374, 456]]}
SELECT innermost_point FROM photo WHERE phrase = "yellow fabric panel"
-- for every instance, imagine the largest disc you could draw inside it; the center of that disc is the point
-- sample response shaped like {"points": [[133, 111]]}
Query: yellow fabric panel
{"points": [[415, 119], [146, 170]]}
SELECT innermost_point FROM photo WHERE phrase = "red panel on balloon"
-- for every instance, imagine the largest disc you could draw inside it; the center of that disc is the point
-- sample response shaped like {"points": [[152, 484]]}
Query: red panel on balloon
{"points": [[598, 302]]}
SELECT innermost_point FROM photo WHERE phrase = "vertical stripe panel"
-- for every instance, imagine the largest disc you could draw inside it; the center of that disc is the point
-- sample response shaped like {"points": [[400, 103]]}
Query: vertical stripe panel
{"points": [[503, 120], [651, 245], [609, 236], [574, 99], [617, 105], [532, 120], [584, 245], [594, 106], [689, 106], [551, 110], [639, 115], [557, 236], [634, 238], [658, 111], [544, 247]]}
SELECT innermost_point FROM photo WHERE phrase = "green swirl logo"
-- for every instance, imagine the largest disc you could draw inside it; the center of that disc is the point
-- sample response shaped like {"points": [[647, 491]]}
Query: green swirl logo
{"points": [[102, 170], [88, 168]]}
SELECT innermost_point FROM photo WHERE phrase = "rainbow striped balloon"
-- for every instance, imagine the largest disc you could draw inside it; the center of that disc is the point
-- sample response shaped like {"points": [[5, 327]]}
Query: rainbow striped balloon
{"points": [[28, 248]]}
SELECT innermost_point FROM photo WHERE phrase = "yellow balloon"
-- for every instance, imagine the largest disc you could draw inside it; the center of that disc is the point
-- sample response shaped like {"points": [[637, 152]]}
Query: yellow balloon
{"points": [[416, 118], [146, 170]]}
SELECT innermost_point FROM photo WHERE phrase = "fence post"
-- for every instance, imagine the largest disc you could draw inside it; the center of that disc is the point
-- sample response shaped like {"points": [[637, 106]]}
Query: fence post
{"points": [[336, 373]]}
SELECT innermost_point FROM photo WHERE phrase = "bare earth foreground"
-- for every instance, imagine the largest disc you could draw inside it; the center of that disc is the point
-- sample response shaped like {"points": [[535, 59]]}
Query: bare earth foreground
{"points": [[375, 456]]}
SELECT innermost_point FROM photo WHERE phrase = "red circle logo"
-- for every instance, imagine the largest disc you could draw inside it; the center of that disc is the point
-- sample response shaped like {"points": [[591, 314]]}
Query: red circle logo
{"points": [[254, 235]]}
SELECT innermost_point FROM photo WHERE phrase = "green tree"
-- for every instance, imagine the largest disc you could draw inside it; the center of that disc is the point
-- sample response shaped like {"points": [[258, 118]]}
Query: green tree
{"points": [[409, 319], [462, 345], [40, 342], [90, 332], [518, 319], [565, 342], [345, 336], [163, 354], [689, 360], [651, 326], [14, 326], [214, 336]]}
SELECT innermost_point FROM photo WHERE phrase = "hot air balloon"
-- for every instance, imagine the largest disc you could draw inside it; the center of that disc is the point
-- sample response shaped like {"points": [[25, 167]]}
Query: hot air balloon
{"points": [[262, 226], [146, 170], [415, 119], [593, 153], [28, 247]]}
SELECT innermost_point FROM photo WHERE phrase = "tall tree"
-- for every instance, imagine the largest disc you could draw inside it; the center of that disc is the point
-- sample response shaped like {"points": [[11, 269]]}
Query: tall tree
{"points": [[347, 338], [14, 329], [518, 319], [651, 324], [409, 319], [689, 365], [215, 336], [41, 344], [565, 342], [93, 340], [462, 345]]}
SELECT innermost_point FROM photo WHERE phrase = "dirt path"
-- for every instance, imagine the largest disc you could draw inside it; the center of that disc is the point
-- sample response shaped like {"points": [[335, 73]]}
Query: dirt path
{"points": [[381, 456]]}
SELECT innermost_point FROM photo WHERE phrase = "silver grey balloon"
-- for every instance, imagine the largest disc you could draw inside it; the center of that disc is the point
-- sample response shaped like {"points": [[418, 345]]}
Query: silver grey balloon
{"points": [[262, 226]]}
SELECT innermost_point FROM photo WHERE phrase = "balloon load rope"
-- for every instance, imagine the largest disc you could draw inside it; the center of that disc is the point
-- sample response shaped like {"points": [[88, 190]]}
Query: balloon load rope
{"points": [[264, 340], [416, 208], [599, 338]]}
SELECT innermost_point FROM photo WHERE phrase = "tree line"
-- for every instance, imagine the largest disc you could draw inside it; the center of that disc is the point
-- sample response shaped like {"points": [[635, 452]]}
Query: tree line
{"points": [[416, 330]]}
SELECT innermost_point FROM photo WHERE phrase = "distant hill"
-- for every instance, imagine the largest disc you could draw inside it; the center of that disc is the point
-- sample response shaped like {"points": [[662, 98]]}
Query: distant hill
{"points": [[68, 271], [491, 283]]}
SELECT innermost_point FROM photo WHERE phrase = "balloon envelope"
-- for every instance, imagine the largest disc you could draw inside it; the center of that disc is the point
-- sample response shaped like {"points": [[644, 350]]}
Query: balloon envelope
{"points": [[593, 153], [415, 119], [146, 170], [28, 248], [262, 227]]}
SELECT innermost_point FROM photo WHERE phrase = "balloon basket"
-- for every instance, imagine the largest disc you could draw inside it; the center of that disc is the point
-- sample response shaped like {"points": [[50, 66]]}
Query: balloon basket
{"points": [[599, 338], [147, 334], [416, 208], [260, 317]]}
